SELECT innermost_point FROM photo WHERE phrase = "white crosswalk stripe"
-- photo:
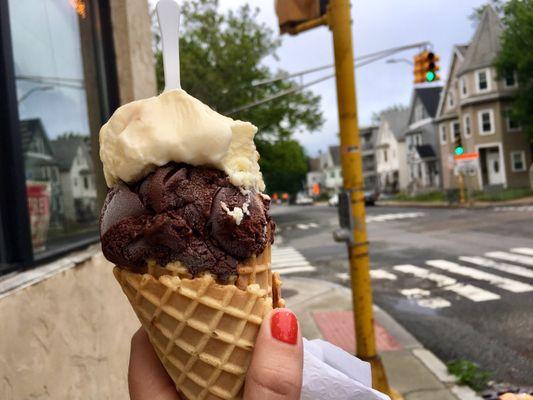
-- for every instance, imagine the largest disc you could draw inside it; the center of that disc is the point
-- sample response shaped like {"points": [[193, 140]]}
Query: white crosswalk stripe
{"points": [[503, 283], [382, 274], [500, 266], [449, 284], [394, 216], [288, 260], [517, 258], [523, 250], [423, 298], [514, 208]]}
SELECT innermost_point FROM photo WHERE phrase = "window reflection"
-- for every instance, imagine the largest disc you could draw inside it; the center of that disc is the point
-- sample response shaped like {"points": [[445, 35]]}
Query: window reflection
{"points": [[51, 79]]}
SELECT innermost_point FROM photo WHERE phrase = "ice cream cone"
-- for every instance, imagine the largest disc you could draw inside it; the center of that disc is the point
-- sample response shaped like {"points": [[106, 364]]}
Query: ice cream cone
{"points": [[202, 331]]}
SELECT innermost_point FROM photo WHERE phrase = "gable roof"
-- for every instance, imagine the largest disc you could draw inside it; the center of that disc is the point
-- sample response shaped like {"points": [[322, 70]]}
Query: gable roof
{"points": [[485, 43], [430, 98], [457, 57], [335, 155], [397, 120], [314, 164], [31, 129], [65, 150]]}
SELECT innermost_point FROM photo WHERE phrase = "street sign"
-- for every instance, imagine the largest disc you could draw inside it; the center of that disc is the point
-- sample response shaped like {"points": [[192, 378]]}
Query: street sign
{"points": [[466, 164]]}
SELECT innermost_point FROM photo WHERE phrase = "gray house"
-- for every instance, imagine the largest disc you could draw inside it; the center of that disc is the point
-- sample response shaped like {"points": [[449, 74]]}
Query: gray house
{"points": [[368, 136], [421, 139]]}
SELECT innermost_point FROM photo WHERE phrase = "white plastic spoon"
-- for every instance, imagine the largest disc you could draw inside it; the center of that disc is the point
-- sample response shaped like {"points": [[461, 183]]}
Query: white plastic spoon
{"points": [[168, 16]]}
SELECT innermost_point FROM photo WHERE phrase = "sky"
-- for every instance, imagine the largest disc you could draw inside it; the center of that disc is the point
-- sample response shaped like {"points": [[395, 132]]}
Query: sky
{"points": [[377, 25]]}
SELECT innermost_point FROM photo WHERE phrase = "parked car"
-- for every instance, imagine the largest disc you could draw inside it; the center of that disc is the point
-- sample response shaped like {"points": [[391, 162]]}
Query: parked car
{"points": [[333, 201], [302, 199], [371, 196]]}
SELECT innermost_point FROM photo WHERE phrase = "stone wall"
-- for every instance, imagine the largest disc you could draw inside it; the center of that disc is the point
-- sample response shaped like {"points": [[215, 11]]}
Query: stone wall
{"points": [[67, 337]]}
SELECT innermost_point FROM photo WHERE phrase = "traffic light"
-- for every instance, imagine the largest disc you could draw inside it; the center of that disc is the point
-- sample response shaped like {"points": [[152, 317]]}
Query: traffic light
{"points": [[458, 150], [426, 67], [291, 13]]}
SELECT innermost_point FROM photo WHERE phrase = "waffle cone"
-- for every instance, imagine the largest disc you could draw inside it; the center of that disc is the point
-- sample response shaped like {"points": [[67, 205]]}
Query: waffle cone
{"points": [[203, 332]]}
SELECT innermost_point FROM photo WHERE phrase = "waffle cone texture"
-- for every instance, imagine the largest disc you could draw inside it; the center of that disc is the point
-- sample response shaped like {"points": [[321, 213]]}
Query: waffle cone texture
{"points": [[203, 332]]}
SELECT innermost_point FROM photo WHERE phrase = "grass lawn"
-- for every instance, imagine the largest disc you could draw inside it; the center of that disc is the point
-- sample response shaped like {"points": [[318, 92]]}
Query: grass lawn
{"points": [[503, 195], [426, 197]]}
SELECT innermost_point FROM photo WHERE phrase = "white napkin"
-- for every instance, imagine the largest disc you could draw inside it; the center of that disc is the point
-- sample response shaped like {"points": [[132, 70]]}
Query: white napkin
{"points": [[330, 373]]}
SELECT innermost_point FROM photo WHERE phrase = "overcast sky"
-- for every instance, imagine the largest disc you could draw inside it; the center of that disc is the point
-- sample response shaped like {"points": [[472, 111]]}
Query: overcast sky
{"points": [[378, 25]]}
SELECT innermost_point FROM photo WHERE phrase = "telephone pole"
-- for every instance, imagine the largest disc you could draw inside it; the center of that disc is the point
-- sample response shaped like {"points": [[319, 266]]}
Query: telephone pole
{"points": [[341, 26]]}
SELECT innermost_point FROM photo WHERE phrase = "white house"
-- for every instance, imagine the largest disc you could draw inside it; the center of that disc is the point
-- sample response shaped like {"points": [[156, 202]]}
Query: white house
{"points": [[77, 178], [391, 156]]}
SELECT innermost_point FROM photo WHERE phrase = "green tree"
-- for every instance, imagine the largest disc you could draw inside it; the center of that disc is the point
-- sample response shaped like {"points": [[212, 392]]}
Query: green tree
{"points": [[516, 55], [497, 5], [221, 55], [285, 168]]}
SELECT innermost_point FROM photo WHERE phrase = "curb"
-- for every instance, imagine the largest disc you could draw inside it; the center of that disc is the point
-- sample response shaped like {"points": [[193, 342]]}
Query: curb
{"points": [[409, 343], [475, 205]]}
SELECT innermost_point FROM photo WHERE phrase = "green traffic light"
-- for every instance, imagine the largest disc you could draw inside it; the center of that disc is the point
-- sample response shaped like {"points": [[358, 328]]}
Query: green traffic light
{"points": [[430, 76], [459, 150]]}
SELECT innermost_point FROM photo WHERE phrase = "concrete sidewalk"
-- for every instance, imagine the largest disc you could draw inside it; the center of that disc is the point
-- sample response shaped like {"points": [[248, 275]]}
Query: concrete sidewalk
{"points": [[324, 311], [524, 201]]}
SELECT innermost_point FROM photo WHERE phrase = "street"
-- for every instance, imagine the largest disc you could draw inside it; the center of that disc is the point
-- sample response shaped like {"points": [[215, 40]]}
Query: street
{"points": [[459, 280]]}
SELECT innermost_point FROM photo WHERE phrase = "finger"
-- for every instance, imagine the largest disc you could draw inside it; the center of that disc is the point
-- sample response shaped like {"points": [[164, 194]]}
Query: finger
{"points": [[147, 378], [275, 372]]}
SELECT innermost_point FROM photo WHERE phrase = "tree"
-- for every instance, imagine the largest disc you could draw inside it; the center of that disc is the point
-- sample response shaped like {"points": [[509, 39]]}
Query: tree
{"points": [[221, 55], [285, 168], [376, 116], [516, 56]]}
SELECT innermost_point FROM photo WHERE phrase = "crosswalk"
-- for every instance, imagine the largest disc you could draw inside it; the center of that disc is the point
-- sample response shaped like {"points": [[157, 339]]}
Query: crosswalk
{"points": [[393, 216], [526, 208], [482, 273], [287, 260]]}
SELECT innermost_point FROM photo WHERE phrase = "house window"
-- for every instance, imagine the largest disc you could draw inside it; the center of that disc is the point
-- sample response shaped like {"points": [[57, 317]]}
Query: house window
{"points": [[75, 182], [512, 124], [419, 112], [510, 79], [451, 99], [482, 79], [518, 161], [86, 182], [467, 126], [385, 155], [332, 174], [464, 90], [443, 134], [455, 131], [486, 122]]}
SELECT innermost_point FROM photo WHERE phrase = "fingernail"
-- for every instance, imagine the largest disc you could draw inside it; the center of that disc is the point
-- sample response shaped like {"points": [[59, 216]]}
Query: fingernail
{"points": [[284, 327]]}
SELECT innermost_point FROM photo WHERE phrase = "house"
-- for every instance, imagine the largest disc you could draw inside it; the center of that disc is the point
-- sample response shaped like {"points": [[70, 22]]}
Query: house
{"points": [[390, 154], [40, 164], [77, 177], [422, 147], [315, 177], [368, 146], [472, 113], [333, 169]]}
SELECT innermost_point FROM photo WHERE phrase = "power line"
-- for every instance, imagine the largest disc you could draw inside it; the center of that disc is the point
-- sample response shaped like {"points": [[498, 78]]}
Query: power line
{"points": [[369, 58]]}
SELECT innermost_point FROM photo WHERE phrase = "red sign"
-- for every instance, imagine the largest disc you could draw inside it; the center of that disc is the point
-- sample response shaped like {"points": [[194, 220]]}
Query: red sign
{"points": [[467, 156], [38, 194]]}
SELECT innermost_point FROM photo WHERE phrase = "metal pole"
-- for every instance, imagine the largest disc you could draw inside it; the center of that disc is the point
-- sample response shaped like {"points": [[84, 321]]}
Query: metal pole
{"points": [[340, 24]]}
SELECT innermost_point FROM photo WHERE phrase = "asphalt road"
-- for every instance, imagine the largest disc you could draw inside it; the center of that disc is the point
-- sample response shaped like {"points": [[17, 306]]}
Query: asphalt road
{"points": [[461, 281]]}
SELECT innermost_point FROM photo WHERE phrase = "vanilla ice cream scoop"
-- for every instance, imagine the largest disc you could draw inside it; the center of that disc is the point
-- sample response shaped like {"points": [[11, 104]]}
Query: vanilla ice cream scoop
{"points": [[175, 127]]}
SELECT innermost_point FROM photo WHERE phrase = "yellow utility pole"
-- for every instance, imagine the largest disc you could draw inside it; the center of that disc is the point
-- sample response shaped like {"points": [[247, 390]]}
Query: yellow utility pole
{"points": [[339, 17]]}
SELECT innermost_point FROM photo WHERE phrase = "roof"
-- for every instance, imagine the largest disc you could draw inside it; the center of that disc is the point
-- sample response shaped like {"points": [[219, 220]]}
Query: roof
{"points": [[314, 164], [485, 43], [65, 150], [425, 151], [430, 98], [398, 120], [29, 130], [335, 155]]}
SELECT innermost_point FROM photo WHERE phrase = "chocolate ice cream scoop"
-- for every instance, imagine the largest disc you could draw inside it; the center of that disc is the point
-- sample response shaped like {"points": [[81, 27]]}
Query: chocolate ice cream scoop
{"points": [[183, 213]]}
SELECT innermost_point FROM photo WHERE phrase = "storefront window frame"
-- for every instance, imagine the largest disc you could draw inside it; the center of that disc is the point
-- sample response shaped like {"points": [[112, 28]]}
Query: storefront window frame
{"points": [[16, 252]]}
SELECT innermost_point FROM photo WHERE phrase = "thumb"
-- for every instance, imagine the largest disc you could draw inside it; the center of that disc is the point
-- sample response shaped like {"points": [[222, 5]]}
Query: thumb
{"points": [[275, 372]]}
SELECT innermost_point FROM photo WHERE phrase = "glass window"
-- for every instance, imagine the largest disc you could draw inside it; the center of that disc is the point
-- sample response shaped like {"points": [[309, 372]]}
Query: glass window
{"points": [[443, 134], [450, 98], [512, 124], [482, 80], [456, 131], [510, 79], [464, 90], [385, 155], [518, 161], [467, 127], [485, 121], [57, 91]]}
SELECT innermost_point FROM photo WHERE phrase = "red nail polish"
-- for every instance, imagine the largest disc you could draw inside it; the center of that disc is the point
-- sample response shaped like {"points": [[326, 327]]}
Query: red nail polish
{"points": [[284, 327]]}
